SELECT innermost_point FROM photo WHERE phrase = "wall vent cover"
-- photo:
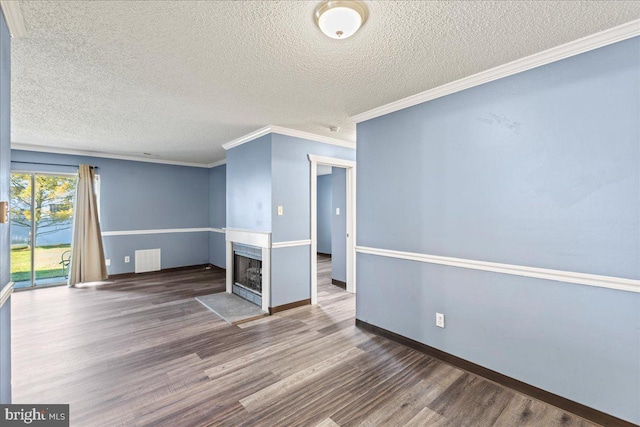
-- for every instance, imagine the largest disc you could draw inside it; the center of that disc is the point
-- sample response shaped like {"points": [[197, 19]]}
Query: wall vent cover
{"points": [[147, 260]]}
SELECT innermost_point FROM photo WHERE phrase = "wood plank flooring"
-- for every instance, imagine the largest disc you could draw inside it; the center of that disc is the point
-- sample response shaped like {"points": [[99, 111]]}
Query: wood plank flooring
{"points": [[141, 351]]}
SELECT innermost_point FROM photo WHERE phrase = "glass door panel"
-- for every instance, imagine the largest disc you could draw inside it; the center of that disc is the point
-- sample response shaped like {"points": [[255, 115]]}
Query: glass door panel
{"points": [[53, 222], [41, 226], [21, 221]]}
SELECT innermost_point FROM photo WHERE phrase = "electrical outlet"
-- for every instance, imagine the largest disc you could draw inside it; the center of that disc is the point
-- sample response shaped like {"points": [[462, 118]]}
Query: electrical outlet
{"points": [[440, 320], [127, 259], [280, 211], [107, 262]]}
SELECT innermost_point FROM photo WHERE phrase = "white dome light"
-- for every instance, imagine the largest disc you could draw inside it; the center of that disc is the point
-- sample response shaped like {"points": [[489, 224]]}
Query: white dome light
{"points": [[340, 19]]}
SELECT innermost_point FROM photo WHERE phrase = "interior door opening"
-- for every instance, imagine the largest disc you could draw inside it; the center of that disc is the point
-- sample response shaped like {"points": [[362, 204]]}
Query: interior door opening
{"points": [[347, 216], [331, 227]]}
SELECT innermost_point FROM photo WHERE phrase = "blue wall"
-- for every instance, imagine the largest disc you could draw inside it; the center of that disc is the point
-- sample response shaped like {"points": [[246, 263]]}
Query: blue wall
{"points": [[339, 224], [249, 185], [218, 197], [142, 196], [271, 171], [539, 169], [324, 213], [291, 188], [5, 245], [217, 214], [292, 183], [290, 273]]}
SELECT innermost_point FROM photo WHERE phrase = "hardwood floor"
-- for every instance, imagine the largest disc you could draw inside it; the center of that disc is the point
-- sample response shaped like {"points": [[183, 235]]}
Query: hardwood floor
{"points": [[142, 352]]}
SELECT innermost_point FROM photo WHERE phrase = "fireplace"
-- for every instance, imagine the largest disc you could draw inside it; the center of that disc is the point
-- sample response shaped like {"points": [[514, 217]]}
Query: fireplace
{"points": [[247, 273], [249, 265]]}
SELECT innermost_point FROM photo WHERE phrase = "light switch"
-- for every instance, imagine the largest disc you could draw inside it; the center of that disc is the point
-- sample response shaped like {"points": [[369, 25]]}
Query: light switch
{"points": [[107, 262], [440, 320], [337, 211], [280, 211]]}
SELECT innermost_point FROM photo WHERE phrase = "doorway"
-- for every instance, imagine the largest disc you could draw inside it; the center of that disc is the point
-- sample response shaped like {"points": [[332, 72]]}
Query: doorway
{"points": [[42, 208], [332, 226], [348, 231]]}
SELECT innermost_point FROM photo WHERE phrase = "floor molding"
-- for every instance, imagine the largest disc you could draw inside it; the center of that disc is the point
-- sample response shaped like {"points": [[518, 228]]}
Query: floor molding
{"points": [[339, 283], [289, 306], [250, 319], [164, 270], [563, 403]]}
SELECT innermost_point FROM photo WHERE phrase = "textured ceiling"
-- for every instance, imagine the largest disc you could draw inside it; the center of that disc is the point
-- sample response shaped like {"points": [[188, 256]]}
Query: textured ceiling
{"points": [[180, 78]]}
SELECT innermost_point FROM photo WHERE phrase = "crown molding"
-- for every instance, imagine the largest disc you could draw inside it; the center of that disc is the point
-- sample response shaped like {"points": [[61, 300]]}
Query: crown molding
{"points": [[247, 138], [288, 132], [43, 149], [218, 163], [239, 141], [312, 136], [576, 47], [13, 16]]}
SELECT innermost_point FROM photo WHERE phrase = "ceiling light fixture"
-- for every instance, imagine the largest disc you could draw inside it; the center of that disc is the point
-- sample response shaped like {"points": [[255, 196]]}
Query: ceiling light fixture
{"points": [[340, 19]]}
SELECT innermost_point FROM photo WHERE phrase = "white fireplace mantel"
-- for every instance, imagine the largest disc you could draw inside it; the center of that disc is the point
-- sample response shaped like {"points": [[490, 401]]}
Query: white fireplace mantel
{"points": [[261, 240]]}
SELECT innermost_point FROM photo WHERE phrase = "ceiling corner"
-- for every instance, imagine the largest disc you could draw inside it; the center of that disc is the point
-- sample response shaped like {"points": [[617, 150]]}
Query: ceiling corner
{"points": [[13, 16]]}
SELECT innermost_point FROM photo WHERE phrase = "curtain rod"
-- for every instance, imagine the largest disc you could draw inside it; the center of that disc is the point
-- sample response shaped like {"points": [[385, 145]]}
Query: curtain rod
{"points": [[51, 164]]}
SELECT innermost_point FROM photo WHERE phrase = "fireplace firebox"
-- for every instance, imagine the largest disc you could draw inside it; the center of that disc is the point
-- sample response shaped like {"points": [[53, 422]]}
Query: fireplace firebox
{"points": [[247, 273]]}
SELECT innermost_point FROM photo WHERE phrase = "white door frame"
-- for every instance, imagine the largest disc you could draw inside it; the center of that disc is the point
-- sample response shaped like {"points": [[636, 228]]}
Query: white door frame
{"points": [[350, 166]]}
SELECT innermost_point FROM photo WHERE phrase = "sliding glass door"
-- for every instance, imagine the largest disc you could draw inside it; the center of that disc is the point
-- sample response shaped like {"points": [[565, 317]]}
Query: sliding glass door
{"points": [[41, 226]]}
